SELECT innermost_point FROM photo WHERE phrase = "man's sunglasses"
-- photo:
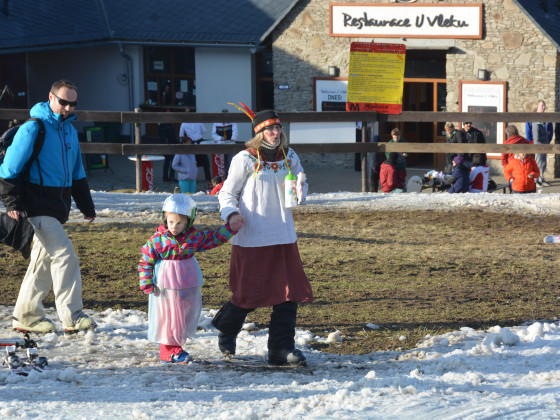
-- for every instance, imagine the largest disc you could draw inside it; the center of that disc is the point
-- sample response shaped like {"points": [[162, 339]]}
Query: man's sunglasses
{"points": [[64, 102]]}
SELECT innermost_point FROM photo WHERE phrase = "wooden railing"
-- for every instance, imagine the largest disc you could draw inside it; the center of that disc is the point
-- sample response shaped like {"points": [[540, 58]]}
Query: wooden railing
{"points": [[137, 118]]}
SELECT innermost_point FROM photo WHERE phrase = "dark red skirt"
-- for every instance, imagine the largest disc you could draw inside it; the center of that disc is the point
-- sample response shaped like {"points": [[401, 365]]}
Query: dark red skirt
{"points": [[267, 276]]}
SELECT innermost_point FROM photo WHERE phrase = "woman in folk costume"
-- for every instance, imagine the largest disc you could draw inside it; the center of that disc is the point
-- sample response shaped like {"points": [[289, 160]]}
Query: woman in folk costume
{"points": [[265, 267]]}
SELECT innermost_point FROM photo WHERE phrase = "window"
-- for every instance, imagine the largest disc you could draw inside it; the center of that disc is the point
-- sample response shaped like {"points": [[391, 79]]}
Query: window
{"points": [[265, 84], [169, 76]]}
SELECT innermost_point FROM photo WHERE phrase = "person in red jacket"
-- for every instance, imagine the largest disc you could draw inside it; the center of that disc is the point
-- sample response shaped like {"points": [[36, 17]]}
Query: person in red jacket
{"points": [[513, 137], [217, 184], [521, 172], [392, 179]]}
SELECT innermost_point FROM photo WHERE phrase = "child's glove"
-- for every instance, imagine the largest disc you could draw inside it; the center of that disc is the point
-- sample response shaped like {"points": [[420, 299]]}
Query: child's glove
{"points": [[149, 289]]}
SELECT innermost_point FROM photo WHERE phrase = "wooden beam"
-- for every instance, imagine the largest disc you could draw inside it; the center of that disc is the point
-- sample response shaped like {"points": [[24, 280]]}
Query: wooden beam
{"points": [[202, 149], [287, 117]]}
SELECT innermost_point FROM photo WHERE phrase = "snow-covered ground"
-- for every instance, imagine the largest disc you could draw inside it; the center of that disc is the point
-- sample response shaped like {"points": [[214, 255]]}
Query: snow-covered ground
{"points": [[144, 207], [114, 372]]}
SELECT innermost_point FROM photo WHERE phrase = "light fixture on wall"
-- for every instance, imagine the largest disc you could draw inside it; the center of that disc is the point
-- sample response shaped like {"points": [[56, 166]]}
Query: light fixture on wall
{"points": [[333, 71], [483, 74]]}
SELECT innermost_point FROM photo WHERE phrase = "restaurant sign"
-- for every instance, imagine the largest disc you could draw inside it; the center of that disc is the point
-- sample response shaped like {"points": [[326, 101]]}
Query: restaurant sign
{"points": [[406, 20]]}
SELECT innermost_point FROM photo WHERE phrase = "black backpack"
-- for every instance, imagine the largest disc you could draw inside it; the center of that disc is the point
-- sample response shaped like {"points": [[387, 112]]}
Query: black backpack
{"points": [[7, 138]]}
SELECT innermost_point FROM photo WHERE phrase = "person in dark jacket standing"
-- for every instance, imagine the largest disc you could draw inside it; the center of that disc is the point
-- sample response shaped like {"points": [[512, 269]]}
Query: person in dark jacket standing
{"points": [[55, 178], [167, 136], [540, 133], [460, 176], [374, 163], [452, 136], [471, 134]]}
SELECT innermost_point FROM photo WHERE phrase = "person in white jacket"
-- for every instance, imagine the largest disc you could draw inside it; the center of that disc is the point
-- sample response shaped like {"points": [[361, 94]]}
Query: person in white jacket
{"points": [[226, 132], [265, 267], [185, 166]]}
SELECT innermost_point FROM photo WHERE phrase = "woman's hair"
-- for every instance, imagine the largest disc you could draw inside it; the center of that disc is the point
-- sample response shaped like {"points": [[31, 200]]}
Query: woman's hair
{"points": [[479, 159], [511, 130], [449, 125], [257, 141], [395, 132], [181, 216]]}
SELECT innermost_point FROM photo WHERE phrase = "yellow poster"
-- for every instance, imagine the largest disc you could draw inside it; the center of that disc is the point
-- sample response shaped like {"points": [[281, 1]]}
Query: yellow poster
{"points": [[376, 77]]}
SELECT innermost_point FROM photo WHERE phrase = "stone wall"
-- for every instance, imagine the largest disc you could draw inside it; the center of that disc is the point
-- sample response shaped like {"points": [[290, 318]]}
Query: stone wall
{"points": [[513, 49]]}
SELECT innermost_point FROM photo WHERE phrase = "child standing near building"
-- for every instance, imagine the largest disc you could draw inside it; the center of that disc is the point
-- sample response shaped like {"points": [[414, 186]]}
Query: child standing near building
{"points": [[522, 171], [185, 166], [170, 274]]}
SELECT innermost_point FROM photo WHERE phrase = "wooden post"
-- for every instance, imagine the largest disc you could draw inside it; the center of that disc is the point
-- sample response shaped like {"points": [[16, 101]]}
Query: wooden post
{"points": [[364, 159], [137, 140]]}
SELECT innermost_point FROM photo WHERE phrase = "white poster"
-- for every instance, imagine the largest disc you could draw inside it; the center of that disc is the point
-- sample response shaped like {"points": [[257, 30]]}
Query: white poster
{"points": [[484, 97], [330, 95]]}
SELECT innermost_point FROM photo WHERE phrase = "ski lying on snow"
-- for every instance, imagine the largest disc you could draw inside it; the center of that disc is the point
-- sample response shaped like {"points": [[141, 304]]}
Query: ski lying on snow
{"points": [[18, 365], [13, 362]]}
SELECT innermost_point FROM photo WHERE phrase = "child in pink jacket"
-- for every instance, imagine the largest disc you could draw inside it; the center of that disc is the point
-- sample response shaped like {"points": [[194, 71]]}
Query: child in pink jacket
{"points": [[170, 274]]}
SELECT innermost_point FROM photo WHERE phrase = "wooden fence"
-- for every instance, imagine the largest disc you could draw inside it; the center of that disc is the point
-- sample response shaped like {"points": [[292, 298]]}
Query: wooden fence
{"points": [[137, 118]]}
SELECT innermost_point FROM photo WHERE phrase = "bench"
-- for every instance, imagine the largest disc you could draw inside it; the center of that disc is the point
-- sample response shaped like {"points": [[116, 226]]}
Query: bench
{"points": [[435, 188], [499, 187]]}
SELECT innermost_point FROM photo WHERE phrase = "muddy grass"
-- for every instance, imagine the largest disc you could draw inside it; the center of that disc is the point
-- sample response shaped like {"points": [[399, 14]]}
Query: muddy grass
{"points": [[410, 273]]}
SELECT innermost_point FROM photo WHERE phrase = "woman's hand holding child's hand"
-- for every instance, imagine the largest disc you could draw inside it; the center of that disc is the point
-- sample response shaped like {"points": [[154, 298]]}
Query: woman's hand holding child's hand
{"points": [[236, 222]]}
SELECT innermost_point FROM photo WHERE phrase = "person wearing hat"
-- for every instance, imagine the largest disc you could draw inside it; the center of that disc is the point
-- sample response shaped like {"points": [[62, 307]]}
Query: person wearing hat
{"points": [[460, 176], [225, 132], [265, 267], [170, 274]]}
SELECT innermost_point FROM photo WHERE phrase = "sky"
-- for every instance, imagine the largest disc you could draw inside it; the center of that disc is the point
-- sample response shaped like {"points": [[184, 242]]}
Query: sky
{"points": [[114, 371]]}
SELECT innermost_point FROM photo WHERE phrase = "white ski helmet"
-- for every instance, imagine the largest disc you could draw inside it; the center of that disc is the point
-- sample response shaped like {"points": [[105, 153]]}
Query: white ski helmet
{"points": [[180, 204]]}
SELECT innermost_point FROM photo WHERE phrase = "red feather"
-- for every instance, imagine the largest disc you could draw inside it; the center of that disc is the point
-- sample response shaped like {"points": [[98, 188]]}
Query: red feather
{"points": [[246, 110]]}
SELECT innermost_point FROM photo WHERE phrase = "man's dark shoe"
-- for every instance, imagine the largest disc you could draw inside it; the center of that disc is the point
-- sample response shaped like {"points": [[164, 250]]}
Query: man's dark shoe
{"points": [[293, 357], [226, 344]]}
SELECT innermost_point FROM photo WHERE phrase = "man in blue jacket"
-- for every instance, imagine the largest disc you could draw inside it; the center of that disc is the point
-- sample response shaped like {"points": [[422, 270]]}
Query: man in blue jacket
{"points": [[55, 178], [540, 133]]}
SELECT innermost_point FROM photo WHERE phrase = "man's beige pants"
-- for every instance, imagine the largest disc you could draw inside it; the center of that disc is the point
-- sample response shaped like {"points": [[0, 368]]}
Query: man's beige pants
{"points": [[53, 264]]}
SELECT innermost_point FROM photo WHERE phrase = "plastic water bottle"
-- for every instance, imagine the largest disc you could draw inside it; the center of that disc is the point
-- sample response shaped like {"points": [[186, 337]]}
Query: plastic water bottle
{"points": [[290, 194]]}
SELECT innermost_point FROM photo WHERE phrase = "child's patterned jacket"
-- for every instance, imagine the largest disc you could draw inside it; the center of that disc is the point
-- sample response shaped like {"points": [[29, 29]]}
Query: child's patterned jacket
{"points": [[164, 246]]}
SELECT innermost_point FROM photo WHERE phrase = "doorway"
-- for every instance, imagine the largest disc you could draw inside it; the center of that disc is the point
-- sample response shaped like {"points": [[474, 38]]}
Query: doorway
{"points": [[422, 95]]}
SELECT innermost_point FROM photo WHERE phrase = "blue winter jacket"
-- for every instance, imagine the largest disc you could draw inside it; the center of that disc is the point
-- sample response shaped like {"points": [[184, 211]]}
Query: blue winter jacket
{"points": [[57, 176], [461, 184]]}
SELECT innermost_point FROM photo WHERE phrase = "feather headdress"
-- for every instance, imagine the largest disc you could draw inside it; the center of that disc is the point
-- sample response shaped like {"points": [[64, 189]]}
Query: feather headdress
{"points": [[245, 109]]}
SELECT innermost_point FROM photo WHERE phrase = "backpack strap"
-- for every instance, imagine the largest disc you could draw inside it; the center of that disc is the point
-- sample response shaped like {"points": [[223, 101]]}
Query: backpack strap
{"points": [[37, 146]]}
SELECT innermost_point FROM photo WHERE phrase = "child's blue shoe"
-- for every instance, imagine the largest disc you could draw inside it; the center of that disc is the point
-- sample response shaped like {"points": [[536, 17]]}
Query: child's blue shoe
{"points": [[182, 357]]}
